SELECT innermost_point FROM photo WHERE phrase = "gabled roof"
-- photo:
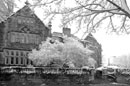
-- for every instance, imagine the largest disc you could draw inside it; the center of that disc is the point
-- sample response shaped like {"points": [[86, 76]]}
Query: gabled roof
{"points": [[89, 35], [90, 38], [29, 13]]}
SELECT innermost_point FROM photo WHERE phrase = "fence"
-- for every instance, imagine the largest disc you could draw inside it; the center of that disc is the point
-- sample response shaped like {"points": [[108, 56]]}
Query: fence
{"points": [[77, 75], [44, 70]]}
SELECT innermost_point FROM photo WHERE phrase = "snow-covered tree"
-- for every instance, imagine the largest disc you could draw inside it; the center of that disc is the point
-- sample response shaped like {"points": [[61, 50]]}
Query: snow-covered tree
{"points": [[71, 53], [46, 53]]}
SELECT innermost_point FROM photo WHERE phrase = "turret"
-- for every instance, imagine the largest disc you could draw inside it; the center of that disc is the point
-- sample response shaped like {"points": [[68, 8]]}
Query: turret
{"points": [[67, 31]]}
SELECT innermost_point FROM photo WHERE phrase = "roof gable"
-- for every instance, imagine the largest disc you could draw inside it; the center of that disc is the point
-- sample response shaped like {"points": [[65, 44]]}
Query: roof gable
{"points": [[90, 38], [26, 11]]}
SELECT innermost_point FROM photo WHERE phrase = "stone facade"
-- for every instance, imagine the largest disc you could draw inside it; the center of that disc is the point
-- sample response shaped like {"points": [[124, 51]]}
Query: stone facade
{"points": [[19, 34], [93, 45], [89, 41], [65, 32]]}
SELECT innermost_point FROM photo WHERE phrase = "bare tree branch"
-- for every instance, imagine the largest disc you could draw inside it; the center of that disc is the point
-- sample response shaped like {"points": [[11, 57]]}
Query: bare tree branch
{"points": [[6, 8], [89, 13], [126, 13], [125, 6], [83, 13]]}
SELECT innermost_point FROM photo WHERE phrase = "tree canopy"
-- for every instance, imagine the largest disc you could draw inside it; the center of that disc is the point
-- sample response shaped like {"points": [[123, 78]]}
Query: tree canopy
{"points": [[71, 53], [90, 14], [6, 9]]}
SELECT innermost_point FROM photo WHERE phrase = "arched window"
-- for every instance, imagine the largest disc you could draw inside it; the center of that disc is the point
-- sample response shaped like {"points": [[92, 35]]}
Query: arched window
{"points": [[27, 61], [22, 60], [17, 61], [7, 60], [12, 53], [21, 53], [17, 53], [31, 63], [12, 60]]}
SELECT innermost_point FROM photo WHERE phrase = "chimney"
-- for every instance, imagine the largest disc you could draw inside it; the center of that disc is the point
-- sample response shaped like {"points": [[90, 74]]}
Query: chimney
{"points": [[49, 27], [67, 31]]}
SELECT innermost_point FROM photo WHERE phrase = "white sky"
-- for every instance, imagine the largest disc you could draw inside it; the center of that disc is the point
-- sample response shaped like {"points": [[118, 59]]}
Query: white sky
{"points": [[113, 45]]}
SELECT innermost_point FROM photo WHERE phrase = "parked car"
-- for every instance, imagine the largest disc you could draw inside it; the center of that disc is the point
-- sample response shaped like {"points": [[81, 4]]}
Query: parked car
{"points": [[107, 72]]}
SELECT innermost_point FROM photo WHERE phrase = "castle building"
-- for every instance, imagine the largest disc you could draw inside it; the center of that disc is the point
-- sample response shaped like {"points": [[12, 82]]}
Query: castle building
{"points": [[65, 32], [24, 31], [89, 41], [93, 45], [19, 34]]}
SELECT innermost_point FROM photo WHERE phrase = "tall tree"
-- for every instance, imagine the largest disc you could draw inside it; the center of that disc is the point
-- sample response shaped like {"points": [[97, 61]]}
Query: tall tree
{"points": [[6, 8], [85, 13], [71, 53], [90, 13]]}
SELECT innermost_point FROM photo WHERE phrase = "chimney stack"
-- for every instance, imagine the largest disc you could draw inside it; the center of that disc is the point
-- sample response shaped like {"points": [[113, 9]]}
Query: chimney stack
{"points": [[67, 31]]}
